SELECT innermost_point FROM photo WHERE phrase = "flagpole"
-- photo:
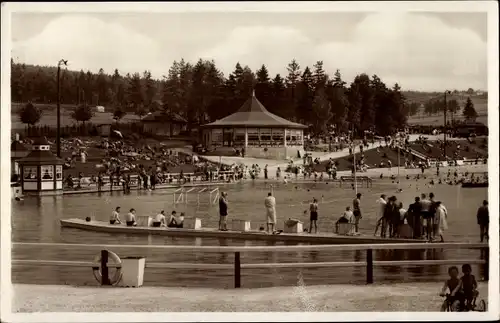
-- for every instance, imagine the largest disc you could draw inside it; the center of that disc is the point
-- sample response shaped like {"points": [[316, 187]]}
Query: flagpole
{"points": [[354, 161], [399, 157]]}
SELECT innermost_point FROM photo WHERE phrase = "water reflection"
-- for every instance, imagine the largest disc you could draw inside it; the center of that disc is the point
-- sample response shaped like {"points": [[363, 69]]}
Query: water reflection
{"points": [[38, 220]]}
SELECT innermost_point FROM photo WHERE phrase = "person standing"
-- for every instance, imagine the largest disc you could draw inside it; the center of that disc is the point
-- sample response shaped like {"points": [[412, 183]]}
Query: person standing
{"points": [[270, 204], [426, 214], [381, 203], [483, 219], [357, 212], [265, 172], [223, 212], [440, 223], [313, 209], [414, 217]]}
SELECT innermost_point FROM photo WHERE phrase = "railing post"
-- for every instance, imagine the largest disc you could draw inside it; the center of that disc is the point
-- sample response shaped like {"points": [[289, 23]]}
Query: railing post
{"points": [[104, 268], [237, 270], [369, 266], [487, 264]]}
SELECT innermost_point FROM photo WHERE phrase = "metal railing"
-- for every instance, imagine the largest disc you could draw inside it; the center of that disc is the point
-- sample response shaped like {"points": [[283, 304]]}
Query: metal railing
{"points": [[369, 262]]}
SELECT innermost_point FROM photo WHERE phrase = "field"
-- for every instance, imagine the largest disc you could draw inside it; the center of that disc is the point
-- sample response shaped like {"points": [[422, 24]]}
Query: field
{"points": [[480, 104], [49, 117]]}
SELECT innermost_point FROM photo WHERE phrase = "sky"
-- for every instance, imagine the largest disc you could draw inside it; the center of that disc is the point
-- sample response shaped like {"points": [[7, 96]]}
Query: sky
{"points": [[420, 51]]}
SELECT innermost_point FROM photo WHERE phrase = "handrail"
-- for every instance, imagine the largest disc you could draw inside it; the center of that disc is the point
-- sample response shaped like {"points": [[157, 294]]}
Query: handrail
{"points": [[247, 249], [369, 264], [182, 265]]}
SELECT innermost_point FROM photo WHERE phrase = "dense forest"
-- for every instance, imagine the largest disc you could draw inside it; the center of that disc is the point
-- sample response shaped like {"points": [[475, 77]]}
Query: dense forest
{"points": [[201, 93]]}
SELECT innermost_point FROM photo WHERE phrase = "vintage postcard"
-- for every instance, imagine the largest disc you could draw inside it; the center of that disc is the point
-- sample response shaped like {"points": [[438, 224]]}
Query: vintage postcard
{"points": [[249, 161]]}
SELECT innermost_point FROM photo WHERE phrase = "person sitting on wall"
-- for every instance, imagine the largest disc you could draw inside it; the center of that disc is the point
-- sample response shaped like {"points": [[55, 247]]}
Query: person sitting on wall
{"points": [[159, 220], [130, 218], [176, 221]]}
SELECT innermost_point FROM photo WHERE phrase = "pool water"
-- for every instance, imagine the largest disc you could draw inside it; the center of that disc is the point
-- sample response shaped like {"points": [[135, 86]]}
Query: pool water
{"points": [[38, 220]]}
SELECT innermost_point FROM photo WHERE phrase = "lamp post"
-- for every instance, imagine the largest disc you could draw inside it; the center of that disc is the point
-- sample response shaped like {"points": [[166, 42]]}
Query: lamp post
{"points": [[445, 125], [61, 62]]}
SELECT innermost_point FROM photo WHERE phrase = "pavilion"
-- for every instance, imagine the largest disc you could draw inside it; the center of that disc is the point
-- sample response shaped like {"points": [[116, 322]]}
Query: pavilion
{"points": [[257, 132]]}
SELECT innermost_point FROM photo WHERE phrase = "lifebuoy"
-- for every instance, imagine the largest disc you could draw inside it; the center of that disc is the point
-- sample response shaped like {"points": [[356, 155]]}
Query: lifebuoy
{"points": [[97, 269]]}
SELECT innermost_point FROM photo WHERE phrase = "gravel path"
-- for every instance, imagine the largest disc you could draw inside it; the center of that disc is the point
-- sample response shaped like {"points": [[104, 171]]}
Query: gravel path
{"points": [[342, 298]]}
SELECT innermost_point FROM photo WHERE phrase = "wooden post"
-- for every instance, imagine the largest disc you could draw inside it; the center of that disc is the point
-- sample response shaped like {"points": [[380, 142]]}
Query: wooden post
{"points": [[104, 268], [487, 264], [237, 270], [369, 266]]}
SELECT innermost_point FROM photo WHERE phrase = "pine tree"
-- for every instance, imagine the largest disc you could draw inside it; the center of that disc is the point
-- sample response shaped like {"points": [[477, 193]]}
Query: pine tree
{"points": [[469, 112]]}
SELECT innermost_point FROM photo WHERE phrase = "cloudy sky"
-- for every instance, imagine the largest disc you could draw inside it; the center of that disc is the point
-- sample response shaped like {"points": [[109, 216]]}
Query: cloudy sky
{"points": [[420, 51]]}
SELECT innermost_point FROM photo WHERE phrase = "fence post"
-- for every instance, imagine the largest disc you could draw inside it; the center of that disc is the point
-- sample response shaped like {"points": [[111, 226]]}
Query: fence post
{"points": [[487, 264], [369, 266], [104, 268], [237, 270]]}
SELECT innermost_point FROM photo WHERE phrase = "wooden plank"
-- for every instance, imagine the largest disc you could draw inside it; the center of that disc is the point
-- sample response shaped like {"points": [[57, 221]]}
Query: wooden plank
{"points": [[248, 249], [305, 265], [428, 262]]}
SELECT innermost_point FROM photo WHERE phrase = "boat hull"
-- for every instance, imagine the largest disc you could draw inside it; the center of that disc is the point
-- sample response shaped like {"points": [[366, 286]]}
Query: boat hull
{"points": [[100, 226]]}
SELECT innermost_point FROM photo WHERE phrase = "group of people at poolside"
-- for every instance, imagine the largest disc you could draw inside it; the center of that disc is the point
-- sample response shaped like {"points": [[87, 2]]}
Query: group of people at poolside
{"points": [[424, 219], [159, 220]]}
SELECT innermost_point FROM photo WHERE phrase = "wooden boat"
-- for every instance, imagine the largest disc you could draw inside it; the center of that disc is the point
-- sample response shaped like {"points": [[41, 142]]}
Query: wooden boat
{"points": [[472, 185], [324, 238]]}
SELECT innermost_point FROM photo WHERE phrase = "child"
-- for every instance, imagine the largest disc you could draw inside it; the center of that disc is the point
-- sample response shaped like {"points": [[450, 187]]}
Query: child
{"points": [[451, 284], [468, 285]]}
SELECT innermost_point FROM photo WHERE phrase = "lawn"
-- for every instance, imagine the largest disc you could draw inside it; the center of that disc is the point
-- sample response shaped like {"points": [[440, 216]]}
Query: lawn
{"points": [[49, 116]]}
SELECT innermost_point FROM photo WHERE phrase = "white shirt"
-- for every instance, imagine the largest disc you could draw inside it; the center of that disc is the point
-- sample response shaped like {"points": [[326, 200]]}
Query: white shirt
{"points": [[349, 216], [115, 216], [381, 207], [270, 202], [402, 213]]}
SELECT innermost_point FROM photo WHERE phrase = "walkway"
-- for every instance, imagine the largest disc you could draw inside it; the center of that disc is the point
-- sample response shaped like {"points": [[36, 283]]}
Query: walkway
{"points": [[274, 164], [341, 298]]}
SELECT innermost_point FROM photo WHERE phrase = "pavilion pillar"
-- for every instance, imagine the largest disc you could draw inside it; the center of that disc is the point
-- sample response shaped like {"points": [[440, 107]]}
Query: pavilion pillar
{"points": [[246, 138], [284, 137]]}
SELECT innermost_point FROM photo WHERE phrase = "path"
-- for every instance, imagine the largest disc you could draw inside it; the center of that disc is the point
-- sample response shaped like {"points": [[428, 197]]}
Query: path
{"points": [[274, 164], [342, 298]]}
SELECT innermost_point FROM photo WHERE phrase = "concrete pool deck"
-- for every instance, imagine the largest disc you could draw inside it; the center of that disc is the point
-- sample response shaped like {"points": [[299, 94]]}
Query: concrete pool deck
{"points": [[411, 297]]}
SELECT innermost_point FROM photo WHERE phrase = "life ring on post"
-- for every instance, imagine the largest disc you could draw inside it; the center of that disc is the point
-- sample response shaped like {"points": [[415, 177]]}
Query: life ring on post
{"points": [[113, 257]]}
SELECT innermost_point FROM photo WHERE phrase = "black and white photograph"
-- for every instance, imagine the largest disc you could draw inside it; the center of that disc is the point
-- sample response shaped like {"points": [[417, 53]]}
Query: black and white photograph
{"points": [[236, 161]]}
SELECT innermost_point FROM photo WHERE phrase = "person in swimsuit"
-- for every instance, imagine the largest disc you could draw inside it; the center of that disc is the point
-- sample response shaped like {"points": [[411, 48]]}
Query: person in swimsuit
{"points": [[451, 284], [115, 216], [130, 218], [356, 210], [313, 208]]}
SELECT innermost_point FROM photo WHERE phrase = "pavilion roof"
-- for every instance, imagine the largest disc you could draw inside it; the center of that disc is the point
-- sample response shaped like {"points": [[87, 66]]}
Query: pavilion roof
{"points": [[253, 114]]}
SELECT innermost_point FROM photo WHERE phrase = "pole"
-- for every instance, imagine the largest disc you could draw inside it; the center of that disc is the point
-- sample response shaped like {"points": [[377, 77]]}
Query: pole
{"points": [[398, 163], [237, 270], [445, 126], [58, 139], [369, 266]]}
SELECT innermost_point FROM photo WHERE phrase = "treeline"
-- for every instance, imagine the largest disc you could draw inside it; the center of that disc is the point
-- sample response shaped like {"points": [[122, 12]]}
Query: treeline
{"points": [[201, 93]]}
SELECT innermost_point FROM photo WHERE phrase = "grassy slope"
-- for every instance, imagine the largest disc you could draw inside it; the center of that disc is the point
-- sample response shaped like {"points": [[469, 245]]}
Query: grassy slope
{"points": [[373, 157]]}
